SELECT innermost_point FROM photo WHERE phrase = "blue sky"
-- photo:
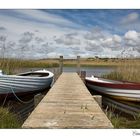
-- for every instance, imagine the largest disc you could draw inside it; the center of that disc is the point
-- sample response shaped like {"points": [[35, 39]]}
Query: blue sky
{"points": [[87, 19], [71, 32], [105, 19]]}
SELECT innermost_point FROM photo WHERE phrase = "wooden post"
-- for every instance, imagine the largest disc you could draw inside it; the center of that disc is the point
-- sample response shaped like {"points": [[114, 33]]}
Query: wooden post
{"points": [[78, 65], [37, 99], [83, 75], [98, 99], [54, 72], [61, 64], [57, 73]]}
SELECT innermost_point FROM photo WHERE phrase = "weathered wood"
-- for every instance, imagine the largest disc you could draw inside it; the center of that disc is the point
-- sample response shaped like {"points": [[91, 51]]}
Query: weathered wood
{"points": [[61, 64], [56, 72], [98, 99], [68, 104], [83, 75], [78, 65], [37, 99]]}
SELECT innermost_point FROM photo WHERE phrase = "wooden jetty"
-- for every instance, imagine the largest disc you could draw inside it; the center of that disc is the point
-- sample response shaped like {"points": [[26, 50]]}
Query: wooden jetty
{"points": [[68, 104]]}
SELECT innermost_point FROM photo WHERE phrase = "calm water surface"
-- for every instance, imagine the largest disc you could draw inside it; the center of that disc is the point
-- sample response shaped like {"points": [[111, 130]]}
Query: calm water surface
{"points": [[97, 71]]}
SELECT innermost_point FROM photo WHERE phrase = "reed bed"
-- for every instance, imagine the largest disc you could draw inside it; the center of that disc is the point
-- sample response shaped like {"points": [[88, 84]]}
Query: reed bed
{"points": [[120, 121], [92, 62], [127, 71], [10, 65]]}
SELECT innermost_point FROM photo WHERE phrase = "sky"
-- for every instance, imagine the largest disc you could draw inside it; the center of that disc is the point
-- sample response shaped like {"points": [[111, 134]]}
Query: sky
{"points": [[49, 33]]}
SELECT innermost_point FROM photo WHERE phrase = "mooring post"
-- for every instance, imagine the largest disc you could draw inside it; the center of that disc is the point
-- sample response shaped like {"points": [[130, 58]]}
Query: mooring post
{"points": [[83, 75], [61, 64], [98, 99], [54, 72], [78, 65], [37, 99]]}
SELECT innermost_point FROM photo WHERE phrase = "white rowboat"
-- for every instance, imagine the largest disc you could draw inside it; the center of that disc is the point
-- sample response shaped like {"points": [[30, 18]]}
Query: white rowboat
{"points": [[29, 82]]}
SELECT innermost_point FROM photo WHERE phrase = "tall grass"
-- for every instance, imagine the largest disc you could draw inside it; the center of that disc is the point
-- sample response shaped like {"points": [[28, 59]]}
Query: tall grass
{"points": [[123, 122], [127, 71], [9, 65], [106, 62], [8, 119], [120, 121]]}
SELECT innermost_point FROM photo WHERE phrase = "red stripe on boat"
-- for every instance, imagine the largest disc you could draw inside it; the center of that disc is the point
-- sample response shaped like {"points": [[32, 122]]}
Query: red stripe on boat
{"points": [[132, 86]]}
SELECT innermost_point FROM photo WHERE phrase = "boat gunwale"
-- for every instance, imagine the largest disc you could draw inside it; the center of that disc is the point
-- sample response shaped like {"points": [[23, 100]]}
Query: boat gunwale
{"points": [[115, 84], [30, 77]]}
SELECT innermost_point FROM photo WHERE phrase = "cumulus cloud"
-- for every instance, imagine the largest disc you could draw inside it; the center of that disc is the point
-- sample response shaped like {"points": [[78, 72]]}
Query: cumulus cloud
{"points": [[36, 40], [2, 28], [93, 46], [26, 37], [107, 42], [131, 35], [68, 40], [71, 45], [132, 39], [130, 18], [114, 42], [117, 38], [39, 40], [132, 43], [96, 33]]}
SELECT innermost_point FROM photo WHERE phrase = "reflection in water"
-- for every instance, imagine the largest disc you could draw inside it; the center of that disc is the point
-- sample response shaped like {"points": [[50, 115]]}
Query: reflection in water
{"points": [[132, 108], [119, 106], [127, 107], [97, 71]]}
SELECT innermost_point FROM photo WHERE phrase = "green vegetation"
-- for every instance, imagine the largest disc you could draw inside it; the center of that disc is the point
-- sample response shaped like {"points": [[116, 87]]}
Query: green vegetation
{"points": [[101, 62], [120, 121], [8, 119], [9, 65], [127, 71]]}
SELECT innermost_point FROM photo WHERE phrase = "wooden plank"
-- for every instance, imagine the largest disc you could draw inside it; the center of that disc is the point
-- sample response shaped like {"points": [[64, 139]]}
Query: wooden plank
{"points": [[68, 104]]}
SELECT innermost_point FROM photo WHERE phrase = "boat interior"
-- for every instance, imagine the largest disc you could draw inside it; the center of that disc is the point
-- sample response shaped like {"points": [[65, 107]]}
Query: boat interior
{"points": [[97, 79], [34, 74]]}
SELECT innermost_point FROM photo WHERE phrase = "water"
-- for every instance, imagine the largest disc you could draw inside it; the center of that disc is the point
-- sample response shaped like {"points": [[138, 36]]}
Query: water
{"points": [[121, 107], [131, 108], [97, 71]]}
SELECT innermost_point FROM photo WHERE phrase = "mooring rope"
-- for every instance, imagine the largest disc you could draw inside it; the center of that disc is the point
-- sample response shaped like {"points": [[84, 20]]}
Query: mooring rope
{"points": [[25, 102], [5, 100]]}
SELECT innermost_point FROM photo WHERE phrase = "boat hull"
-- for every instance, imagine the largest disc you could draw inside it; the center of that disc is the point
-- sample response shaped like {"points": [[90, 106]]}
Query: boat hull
{"points": [[124, 92], [25, 83]]}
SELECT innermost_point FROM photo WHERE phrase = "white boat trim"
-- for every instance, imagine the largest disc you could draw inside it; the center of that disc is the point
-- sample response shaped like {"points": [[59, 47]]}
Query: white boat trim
{"points": [[20, 83], [135, 94]]}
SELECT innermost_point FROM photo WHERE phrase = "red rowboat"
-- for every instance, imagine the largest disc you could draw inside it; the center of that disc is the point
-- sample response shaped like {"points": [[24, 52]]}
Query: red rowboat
{"points": [[122, 90]]}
